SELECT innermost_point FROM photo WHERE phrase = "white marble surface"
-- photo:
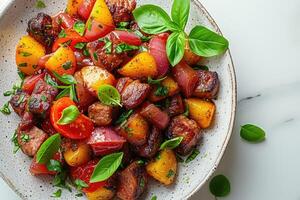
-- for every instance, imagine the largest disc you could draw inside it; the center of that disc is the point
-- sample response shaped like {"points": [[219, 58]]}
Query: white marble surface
{"points": [[265, 45]]}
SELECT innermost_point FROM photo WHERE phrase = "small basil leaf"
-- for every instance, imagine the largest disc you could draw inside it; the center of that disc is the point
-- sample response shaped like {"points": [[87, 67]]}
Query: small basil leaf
{"points": [[69, 115], [57, 193], [155, 81], [79, 27], [161, 91], [219, 186], [66, 79], [109, 95], [80, 45], [206, 43], [106, 167], [201, 67], [54, 165], [63, 93], [48, 149], [192, 156], [154, 197], [120, 48], [40, 4], [180, 12], [50, 81], [80, 184], [123, 117], [73, 94], [153, 19], [171, 144], [62, 34], [252, 133], [175, 47]]}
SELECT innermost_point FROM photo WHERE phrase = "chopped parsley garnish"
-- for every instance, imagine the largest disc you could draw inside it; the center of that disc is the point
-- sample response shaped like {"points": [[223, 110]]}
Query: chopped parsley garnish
{"points": [[170, 173], [187, 111], [54, 165], [79, 184], [62, 34], [22, 65], [40, 4], [95, 56], [21, 75], [120, 48], [25, 54], [5, 109], [79, 27], [161, 91], [25, 138], [123, 117], [67, 65], [80, 45], [14, 139], [192, 156], [57, 193], [142, 183]]}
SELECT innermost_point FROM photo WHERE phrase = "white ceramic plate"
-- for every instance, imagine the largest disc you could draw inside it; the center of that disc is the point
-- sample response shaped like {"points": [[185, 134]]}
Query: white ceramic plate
{"points": [[14, 167]]}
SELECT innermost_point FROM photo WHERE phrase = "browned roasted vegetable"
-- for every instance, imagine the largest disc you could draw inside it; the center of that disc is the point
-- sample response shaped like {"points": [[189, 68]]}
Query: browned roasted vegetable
{"points": [[78, 154], [100, 114], [176, 106], [208, 85], [156, 116], [121, 10]]}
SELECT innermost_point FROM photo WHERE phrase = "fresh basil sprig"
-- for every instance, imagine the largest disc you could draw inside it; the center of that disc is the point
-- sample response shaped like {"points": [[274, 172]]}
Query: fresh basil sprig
{"points": [[202, 41], [106, 167], [109, 95], [171, 144], [69, 115], [48, 149]]}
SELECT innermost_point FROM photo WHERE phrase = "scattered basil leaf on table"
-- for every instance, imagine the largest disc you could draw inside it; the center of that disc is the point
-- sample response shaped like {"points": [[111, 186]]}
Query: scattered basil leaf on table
{"points": [[5, 109], [206, 43], [80, 184], [180, 12], [171, 144], [109, 95], [48, 149], [252, 133], [219, 186], [69, 115], [106, 167], [54, 165], [192, 156], [79, 27], [175, 47]]}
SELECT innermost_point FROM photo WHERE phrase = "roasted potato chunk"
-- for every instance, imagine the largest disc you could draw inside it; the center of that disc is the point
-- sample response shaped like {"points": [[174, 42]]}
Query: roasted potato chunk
{"points": [[176, 106], [190, 57], [28, 53], [142, 65], [101, 14], [164, 167], [201, 111], [102, 193], [100, 114], [77, 154], [168, 83]]}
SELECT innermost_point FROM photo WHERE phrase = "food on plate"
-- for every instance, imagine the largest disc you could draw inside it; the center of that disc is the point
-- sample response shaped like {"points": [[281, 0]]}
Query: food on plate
{"points": [[111, 94]]}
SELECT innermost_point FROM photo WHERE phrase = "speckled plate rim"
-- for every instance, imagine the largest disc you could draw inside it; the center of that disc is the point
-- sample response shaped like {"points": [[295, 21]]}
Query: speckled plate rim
{"points": [[233, 104]]}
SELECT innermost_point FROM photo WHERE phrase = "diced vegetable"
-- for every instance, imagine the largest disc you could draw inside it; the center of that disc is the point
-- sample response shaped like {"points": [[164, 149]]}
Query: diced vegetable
{"points": [[96, 30], [102, 193], [41, 169], [72, 7], [128, 37], [135, 130], [62, 61], [142, 65], [186, 78], [101, 14], [28, 53], [30, 81], [170, 84], [85, 8], [93, 77], [201, 111], [208, 85], [78, 154], [164, 167], [71, 39], [156, 116], [189, 57]]}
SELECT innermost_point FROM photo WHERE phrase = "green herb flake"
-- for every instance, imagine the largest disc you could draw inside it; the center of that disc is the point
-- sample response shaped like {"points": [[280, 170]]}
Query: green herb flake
{"points": [[22, 65], [95, 56], [161, 91], [170, 173], [54, 165], [62, 34], [66, 79], [141, 162], [25, 54], [79, 184], [21, 99], [67, 65], [154, 197], [192, 156], [40, 4], [69, 115], [120, 48], [219, 186], [80, 45], [122, 24], [142, 183], [171, 144], [252, 133], [201, 67], [123, 117], [21, 75], [7, 93], [5, 109], [57, 193], [155, 81], [25, 138], [79, 27], [14, 140], [187, 111], [78, 195], [86, 52]]}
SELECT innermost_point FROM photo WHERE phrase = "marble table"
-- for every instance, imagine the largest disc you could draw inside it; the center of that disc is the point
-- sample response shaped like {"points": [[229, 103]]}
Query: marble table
{"points": [[265, 43]]}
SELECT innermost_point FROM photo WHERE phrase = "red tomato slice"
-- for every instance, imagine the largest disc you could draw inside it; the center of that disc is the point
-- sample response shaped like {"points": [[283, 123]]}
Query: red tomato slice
{"points": [[42, 61], [81, 128], [105, 140], [64, 19], [30, 82], [128, 37], [40, 169], [97, 30], [157, 48], [84, 173], [85, 8], [72, 36]]}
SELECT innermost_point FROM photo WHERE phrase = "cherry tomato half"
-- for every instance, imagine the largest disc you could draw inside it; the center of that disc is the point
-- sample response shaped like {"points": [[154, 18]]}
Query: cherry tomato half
{"points": [[72, 37], [85, 8], [81, 128], [128, 37]]}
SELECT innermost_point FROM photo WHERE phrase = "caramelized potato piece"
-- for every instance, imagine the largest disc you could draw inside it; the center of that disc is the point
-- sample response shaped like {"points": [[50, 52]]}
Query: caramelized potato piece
{"points": [[170, 84], [142, 65], [102, 193], [101, 14], [208, 85], [28, 53], [190, 57], [100, 114], [201, 111], [72, 7], [164, 167], [135, 130], [62, 62], [93, 77], [78, 154]]}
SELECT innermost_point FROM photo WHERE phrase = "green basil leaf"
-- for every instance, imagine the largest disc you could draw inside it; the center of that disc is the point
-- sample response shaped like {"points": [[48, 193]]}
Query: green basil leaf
{"points": [[69, 115], [5, 109], [201, 67], [123, 117], [63, 93], [80, 184], [50, 81], [206, 43], [120, 48], [66, 79], [62, 34], [79, 27], [54, 165], [154, 197], [180, 12], [192, 156], [153, 19], [109, 95], [219, 186], [122, 24], [161, 91], [175, 47], [171, 144], [155, 81], [21, 75], [73, 94], [187, 111], [48, 149], [106, 167], [80, 45], [252, 133]]}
